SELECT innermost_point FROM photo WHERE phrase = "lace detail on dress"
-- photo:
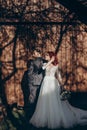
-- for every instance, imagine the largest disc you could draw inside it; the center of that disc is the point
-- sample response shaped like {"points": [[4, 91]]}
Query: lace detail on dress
{"points": [[50, 71]]}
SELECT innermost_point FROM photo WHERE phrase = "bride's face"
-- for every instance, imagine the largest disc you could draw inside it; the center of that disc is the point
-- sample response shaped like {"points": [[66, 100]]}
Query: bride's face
{"points": [[47, 57]]}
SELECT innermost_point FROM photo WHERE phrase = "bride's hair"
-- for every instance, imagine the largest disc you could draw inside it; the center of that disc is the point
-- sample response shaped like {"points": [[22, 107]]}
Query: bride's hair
{"points": [[51, 54]]}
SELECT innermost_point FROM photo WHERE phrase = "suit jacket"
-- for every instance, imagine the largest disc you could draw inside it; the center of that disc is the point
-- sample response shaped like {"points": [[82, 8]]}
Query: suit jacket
{"points": [[35, 78], [32, 78]]}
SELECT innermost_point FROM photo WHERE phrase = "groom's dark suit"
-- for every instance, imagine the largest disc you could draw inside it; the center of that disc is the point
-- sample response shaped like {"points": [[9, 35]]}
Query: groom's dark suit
{"points": [[35, 79], [31, 83]]}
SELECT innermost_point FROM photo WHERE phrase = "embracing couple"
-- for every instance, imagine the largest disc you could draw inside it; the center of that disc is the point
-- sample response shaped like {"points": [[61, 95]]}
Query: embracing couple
{"points": [[50, 111]]}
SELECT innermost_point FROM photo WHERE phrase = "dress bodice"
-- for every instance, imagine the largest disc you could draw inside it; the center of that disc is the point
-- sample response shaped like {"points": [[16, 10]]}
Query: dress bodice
{"points": [[50, 70]]}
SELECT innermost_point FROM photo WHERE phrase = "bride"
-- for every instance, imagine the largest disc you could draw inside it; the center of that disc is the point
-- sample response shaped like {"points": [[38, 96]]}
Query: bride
{"points": [[51, 111]]}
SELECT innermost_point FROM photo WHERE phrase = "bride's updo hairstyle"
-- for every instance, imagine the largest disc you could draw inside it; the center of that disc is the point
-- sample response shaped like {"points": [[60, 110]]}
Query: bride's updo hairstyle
{"points": [[51, 54]]}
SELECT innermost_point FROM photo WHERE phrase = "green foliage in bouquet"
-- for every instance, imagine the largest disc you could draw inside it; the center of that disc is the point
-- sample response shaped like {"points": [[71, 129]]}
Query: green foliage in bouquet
{"points": [[65, 95]]}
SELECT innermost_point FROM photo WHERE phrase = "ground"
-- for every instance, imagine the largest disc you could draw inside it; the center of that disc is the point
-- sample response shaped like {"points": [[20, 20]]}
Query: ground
{"points": [[17, 119]]}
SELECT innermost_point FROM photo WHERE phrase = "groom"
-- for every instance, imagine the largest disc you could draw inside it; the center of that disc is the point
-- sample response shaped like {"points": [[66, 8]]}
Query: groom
{"points": [[35, 79], [37, 76]]}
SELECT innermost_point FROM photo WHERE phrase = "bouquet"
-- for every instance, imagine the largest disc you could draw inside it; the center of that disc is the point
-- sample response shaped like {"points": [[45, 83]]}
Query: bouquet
{"points": [[65, 95]]}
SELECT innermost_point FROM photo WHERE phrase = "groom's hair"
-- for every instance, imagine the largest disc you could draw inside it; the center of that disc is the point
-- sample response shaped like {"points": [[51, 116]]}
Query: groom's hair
{"points": [[38, 50]]}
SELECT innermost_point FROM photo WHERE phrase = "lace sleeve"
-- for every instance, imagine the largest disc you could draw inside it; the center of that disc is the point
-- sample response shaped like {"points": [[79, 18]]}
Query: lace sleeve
{"points": [[58, 75]]}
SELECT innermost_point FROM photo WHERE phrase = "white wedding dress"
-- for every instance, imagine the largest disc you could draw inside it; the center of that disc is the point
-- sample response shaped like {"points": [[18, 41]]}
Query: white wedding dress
{"points": [[50, 111]]}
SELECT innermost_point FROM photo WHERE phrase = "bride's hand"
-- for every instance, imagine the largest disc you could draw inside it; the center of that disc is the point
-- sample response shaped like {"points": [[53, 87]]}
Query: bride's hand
{"points": [[52, 59]]}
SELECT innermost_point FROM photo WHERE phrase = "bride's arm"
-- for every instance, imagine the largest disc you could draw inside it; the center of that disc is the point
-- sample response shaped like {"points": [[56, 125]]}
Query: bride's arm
{"points": [[59, 77], [45, 65]]}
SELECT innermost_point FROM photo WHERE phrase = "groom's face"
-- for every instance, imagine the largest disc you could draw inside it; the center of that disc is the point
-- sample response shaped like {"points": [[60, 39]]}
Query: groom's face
{"points": [[36, 54]]}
